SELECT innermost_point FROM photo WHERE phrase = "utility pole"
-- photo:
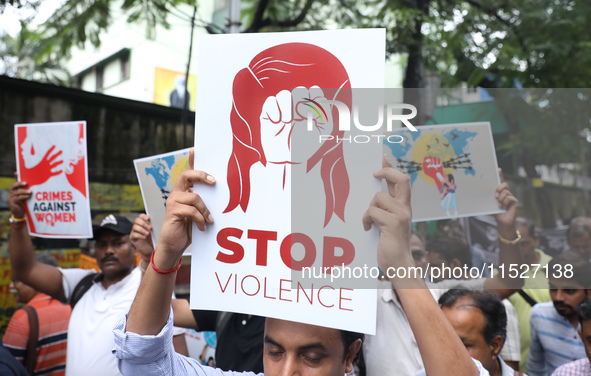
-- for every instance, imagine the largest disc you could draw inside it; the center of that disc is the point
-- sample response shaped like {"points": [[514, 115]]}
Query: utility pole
{"points": [[234, 17], [186, 101], [585, 140]]}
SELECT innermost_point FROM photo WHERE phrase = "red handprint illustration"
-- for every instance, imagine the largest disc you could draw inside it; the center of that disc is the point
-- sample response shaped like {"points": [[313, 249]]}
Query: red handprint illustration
{"points": [[44, 170]]}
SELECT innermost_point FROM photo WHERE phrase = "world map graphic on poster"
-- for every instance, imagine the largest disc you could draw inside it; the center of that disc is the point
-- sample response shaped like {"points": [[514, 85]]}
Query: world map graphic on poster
{"points": [[458, 139], [165, 171], [157, 175], [452, 168]]}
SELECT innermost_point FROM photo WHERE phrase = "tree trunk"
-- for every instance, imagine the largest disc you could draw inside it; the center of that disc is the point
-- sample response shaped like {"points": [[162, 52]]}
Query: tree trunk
{"points": [[414, 75], [542, 198]]}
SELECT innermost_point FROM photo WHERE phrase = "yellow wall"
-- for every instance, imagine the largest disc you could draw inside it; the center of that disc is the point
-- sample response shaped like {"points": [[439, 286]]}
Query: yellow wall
{"points": [[103, 198]]}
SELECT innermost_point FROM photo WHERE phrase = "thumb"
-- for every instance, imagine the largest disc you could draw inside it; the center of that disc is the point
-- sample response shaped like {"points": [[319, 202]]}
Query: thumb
{"points": [[386, 161]]}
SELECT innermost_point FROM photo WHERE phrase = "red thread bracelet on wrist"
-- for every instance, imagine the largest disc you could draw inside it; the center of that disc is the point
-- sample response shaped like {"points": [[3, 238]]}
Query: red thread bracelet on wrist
{"points": [[18, 226], [164, 271], [146, 259]]}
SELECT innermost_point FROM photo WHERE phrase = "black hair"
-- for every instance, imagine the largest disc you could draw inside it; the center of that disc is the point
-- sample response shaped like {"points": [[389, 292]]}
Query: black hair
{"points": [[456, 227], [348, 338], [528, 224], [451, 245], [584, 311], [442, 223], [561, 265], [578, 230], [450, 177], [493, 310]]}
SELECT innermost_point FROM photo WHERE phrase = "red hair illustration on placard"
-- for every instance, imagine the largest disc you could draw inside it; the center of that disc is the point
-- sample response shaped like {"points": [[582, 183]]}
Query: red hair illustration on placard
{"points": [[275, 70]]}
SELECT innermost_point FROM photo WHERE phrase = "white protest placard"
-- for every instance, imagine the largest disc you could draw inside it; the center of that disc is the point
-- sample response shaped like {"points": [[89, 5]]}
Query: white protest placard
{"points": [[157, 175], [52, 159], [289, 194], [453, 170]]}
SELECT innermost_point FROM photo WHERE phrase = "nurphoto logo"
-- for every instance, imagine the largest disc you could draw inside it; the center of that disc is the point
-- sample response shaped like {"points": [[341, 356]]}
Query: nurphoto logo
{"points": [[317, 117]]}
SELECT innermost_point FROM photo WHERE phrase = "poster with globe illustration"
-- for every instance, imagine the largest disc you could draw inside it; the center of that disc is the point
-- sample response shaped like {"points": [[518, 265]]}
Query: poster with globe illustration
{"points": [[156, 176], [453, 169]]}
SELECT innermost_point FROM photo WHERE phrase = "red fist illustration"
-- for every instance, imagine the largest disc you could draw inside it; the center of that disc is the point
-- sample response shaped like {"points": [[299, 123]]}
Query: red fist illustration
{"points": [[433, 168]]}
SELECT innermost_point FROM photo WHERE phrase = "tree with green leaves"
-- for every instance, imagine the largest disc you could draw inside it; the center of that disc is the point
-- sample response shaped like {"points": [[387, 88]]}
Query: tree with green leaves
{"points": [[488, 43], [497, 44], [20, 58], [17, 4], [78, 22], [73, 24]]}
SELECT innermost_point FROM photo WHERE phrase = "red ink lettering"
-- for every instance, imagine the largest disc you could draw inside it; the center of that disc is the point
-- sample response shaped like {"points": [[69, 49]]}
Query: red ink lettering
{"points": [[309, 251], [265, 291], [309, 298], [262, 237], [258, 285], [320, 301], [281, 289], [329, 257], [341, 299], [220, 284], [224, 242]]}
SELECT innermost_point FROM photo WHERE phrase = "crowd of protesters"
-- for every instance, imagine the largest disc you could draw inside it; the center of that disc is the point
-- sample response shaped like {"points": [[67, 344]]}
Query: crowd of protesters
{"points": [[535, 322]]}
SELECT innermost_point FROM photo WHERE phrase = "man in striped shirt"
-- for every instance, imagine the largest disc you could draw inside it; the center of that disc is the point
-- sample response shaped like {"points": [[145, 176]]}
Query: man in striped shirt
{"points": [[554, 338], [52, 318], [581, 367]]}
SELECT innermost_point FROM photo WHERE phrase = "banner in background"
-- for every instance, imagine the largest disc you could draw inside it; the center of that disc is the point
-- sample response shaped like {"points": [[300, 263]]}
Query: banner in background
{"points": [[169, 87], [66, 258]]}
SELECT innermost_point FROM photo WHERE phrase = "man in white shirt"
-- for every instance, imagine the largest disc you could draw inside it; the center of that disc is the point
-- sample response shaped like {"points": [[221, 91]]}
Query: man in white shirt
{"points": [[393, 333], [480, 319], [106, 296]]}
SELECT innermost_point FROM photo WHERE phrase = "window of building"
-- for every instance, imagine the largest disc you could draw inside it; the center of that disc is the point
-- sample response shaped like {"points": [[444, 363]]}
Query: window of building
{"points": [[99, 77], [124, 66], [106, 73]]}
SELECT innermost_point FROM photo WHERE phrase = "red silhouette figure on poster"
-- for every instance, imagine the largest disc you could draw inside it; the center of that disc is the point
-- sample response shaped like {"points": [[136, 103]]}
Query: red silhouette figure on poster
{"points": [[52, 163], [36, 170], [274, 70]]}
